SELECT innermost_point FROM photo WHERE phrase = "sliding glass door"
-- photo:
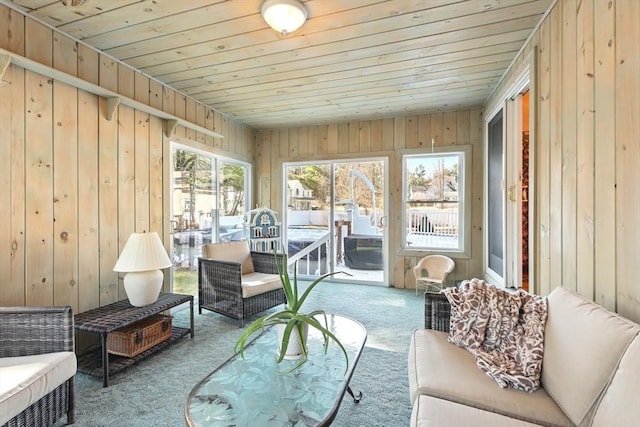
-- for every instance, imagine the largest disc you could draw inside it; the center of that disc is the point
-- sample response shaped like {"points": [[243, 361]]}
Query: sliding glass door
{"points": [[208, 202], [335, 219]]}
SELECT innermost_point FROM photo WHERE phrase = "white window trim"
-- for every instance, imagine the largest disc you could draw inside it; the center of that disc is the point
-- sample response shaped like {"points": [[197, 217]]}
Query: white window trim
{"points": [[464, 204]]}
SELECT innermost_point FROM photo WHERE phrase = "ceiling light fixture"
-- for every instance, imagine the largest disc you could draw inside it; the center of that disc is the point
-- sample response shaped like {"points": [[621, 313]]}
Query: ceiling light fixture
{"points": [[284, 16]]}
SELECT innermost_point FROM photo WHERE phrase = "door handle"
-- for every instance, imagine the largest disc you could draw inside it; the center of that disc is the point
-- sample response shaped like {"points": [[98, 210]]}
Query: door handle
{"points": [[511, 194], [383, 221]]}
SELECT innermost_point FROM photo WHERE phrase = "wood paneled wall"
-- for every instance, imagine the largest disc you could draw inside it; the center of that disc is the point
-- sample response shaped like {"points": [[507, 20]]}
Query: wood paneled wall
{"points": [[587, 149], [388, 138], [75, 184]]}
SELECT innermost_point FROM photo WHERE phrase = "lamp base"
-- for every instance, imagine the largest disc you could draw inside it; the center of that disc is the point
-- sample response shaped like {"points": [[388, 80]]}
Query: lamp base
{"points": [[143, 287]]}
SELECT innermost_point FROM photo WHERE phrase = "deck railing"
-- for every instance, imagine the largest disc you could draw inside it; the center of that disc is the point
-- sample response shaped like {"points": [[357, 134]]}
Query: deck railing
{"points": [[313, 260]]}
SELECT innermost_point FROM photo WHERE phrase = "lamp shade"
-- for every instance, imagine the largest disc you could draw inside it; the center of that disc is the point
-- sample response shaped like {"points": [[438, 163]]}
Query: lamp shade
{"points": [[142, 252], [284, 16]]}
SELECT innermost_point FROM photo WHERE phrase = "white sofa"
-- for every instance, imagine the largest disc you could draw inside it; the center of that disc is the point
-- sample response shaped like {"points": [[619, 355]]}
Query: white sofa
{"points": [[590, 372], [37, 365]]}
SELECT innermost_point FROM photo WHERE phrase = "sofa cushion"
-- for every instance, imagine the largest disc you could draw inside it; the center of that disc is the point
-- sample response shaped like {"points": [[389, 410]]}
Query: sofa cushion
{"points": [[620, 405], [26, 379], [431, 411], [235, 251], [583, 344], [258, 283], [440, 369]]}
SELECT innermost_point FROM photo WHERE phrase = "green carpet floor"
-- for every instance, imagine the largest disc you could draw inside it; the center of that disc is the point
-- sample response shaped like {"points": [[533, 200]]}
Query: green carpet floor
{"points": [[153, 393]]}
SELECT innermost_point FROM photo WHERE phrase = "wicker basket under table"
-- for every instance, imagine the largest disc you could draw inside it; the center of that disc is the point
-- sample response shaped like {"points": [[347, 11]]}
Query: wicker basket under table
{"points": [[133, 339]]}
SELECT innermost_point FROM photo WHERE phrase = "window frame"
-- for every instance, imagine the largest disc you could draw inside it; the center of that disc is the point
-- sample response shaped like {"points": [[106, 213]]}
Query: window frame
{"points": [[464, 201]]}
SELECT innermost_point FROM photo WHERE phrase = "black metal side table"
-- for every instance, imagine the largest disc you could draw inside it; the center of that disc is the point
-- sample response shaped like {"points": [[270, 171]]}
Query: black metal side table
{"points": [[106, 319]]}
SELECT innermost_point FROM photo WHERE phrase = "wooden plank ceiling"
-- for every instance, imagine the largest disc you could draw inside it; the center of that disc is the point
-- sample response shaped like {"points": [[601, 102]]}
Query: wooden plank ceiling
{"points": [[351, 60]]}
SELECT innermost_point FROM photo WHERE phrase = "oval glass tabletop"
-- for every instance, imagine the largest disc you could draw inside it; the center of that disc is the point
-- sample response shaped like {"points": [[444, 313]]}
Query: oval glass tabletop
{"points": [[255, 390]]}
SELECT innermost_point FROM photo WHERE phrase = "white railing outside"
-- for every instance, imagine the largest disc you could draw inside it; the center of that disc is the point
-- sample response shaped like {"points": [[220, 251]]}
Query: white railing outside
{"points": [[433, 228]]}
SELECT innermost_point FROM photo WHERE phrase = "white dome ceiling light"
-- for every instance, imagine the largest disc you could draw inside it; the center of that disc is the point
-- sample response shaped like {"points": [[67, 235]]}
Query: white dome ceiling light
{"points": [[284, 16]]}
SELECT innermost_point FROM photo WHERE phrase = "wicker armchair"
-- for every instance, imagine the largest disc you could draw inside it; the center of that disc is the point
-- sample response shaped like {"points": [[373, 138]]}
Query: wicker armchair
{"points": [[26, 331], [220, 287], [437, 268], [437, 311]]}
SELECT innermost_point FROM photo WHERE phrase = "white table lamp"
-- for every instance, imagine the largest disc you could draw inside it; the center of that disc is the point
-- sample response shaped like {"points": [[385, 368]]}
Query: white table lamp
{"points": [[142, 258]]}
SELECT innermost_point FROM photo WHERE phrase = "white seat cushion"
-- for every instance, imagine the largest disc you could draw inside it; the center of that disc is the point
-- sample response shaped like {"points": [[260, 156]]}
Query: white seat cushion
{"points": [[259, 283], [620, 405], [433, 412], [26, 379], [440, 369]]}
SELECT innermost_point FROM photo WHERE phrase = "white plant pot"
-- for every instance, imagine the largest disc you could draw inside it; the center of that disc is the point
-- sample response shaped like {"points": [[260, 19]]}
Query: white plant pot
{"points": [[294, 349]]}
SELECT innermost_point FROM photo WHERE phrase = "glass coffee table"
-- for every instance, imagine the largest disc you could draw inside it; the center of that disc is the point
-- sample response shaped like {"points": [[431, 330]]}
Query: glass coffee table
{"points": [[255, 390]]}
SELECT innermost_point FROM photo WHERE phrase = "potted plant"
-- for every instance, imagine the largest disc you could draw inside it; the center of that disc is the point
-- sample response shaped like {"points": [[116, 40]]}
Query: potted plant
{"points": [[293, 323]]}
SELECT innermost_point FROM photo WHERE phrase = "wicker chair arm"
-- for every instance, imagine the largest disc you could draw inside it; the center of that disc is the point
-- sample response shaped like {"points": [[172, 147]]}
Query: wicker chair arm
{"points": [[27, 331], [437, 311], [223, 276], [267, 262]]}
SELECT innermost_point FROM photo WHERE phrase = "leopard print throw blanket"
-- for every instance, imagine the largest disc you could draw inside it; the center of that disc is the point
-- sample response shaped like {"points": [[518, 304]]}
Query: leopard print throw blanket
{"points": [[503, 330]]}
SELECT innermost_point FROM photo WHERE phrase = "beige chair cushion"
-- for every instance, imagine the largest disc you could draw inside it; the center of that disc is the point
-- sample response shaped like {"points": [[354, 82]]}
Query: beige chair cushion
{"points": [[583, 344], [433, 412], [26, 379], [440, 369], [258, 283], [236, 251], [620, 405]]}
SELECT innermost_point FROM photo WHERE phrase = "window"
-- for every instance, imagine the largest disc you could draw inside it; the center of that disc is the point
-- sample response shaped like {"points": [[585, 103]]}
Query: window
{"points": [[434, 200]]}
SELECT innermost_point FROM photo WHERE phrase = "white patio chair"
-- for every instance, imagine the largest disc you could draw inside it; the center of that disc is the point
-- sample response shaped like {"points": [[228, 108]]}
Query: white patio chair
{"points": [[432, 271]]}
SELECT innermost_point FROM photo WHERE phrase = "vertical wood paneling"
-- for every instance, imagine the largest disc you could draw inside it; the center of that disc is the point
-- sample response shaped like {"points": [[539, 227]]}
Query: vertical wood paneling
{"points": [[12, 30], [541, 149], [354, 138], [108, 188], [341, 143], [450, 128], [293, 143], [88, 197], [387, 134], [399, 126], [156, 218], [209, 140], [475, 266], [627, 87], [88, 64], [126, 181], [12, 179], [585, 151], [39, 190], [365, 137], [201, 119], [314, 141], [168, 100], [141, 171], [568, 145], [555, 151], [65, 194], [303, 146], [411, 132], [217, 126], [126, 81], [376, 135], [605, 155], [155, 94], [65, 54], [38, 42], [190, 112]]}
